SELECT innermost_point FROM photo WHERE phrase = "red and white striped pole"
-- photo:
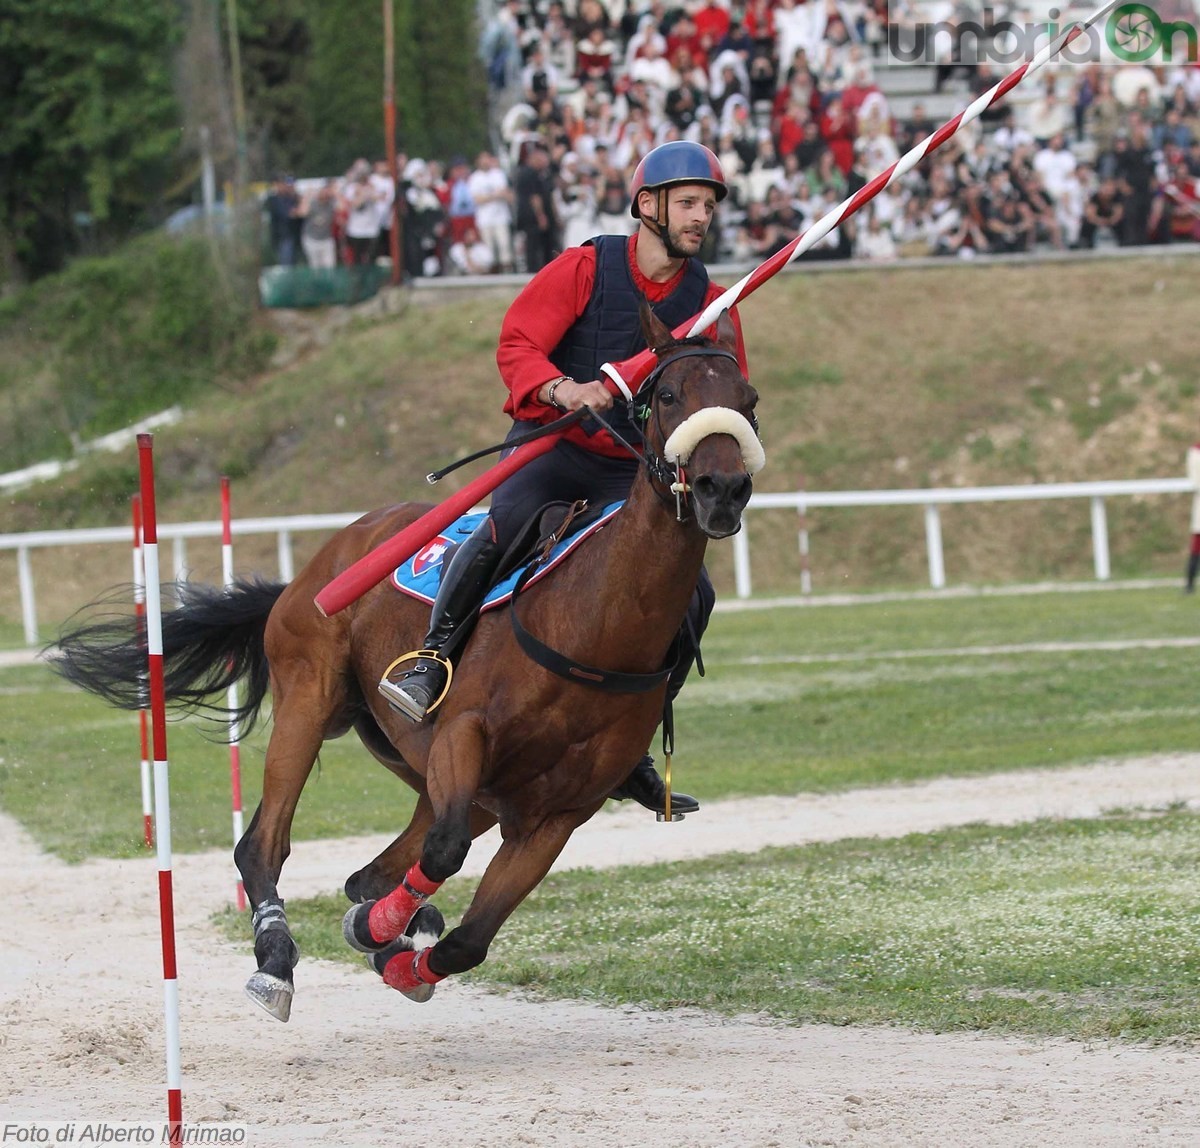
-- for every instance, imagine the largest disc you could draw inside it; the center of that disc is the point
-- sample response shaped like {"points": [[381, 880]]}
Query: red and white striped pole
{"points": [[139, 612], [162, 792], [629, 374], [231, 695]]}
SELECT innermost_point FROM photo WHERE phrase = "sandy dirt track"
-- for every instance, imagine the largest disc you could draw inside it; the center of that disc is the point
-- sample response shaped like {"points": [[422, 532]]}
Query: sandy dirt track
{"points": [[359, 1065]]}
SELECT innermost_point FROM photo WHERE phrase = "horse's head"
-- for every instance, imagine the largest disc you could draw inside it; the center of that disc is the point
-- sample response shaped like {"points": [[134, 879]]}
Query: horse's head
{"points": [[700, 421]]}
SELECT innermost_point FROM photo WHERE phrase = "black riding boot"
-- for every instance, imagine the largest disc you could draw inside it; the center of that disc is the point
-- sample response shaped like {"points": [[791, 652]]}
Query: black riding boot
{"points": [[1192, 567], [648, 789], [644, 785], [464, 584]]}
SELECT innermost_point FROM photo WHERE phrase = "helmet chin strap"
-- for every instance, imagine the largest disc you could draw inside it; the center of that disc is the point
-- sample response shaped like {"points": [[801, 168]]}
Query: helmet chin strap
{"points": [[662, 228]]}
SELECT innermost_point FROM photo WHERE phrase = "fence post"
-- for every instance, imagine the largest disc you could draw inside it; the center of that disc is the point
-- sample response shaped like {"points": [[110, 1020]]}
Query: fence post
{"points": [[287, 565], [805, 563], [933, 542], [1100, 539], [741, 562], [28, 605]]}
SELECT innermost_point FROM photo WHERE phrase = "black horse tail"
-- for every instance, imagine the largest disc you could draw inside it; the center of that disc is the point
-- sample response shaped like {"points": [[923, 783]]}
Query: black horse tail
{"points": [[213, 639]]}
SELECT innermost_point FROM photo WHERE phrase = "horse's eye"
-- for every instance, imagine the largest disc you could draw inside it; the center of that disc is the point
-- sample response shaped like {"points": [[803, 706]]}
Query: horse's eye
{"points": [[666, 396]]}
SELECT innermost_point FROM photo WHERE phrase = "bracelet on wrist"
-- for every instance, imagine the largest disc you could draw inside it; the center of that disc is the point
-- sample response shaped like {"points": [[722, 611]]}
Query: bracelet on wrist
{"points": [[550, 399]]}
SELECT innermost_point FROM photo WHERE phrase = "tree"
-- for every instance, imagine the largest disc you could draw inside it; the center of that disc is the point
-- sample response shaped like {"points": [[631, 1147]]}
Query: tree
{"points": [[440, 92], [88, 122], [275, 48]]}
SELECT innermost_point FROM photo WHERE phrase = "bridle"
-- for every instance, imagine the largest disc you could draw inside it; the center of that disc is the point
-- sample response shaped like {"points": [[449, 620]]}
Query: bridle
{"points": [[660, 471]]}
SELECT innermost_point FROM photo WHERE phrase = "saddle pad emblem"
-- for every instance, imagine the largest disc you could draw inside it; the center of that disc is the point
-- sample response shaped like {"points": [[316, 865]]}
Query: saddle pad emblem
{"points": [[430, 555]]}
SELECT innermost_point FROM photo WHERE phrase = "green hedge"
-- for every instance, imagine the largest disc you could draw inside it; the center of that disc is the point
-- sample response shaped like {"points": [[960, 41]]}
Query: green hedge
{"points": [[113, 339]]}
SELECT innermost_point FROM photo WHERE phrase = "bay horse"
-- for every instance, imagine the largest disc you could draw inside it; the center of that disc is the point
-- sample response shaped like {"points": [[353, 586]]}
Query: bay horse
{"points": [[513, 743]]}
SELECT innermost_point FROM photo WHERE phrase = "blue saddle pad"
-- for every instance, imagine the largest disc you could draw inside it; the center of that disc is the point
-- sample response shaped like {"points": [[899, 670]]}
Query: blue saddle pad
{"points": [[421, 575]]}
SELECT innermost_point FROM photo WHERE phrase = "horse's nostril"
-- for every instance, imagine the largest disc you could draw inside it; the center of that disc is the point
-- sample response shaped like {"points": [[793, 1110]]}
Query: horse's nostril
{"points": [[731, 487]]}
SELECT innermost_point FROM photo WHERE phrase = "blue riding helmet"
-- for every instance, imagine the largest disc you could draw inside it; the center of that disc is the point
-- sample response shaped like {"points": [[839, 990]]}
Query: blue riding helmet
{"points": [[680, 161]]}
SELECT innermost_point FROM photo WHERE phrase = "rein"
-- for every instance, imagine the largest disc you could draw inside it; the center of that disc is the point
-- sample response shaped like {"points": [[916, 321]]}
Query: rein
{"points": [[551, 428]]}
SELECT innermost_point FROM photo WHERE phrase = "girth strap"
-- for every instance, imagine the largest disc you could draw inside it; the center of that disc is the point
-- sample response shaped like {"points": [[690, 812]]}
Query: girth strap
{"points": [[610, 681]]}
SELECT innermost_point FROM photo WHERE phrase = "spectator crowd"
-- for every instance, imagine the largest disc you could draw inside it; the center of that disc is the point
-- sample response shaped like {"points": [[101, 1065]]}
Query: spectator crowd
{"points": [[785, 92]]}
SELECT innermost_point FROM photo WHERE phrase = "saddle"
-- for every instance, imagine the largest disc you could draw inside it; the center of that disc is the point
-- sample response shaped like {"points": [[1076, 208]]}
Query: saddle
{"points": [[546, 540]]}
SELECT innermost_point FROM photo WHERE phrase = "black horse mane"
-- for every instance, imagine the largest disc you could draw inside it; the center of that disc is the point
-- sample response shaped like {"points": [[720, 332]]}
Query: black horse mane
{"points": [[687, 341]]}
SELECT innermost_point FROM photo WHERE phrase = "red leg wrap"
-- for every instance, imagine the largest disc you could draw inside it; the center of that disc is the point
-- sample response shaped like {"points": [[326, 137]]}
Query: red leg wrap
{"points": [[408, 971], [390, 916], [416, 880]]}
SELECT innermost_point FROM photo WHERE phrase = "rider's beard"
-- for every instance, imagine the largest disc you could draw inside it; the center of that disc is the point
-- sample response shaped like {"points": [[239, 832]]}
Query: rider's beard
{"points": [[684, 242]]}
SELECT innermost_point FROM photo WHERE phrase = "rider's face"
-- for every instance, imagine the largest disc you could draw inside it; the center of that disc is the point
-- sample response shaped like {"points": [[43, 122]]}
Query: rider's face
{"points": [[690, 210]]}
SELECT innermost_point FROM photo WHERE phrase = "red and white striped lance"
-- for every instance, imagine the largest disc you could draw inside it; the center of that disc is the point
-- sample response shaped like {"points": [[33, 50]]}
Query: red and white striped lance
{"points": [[139, 613], [231, 694], [629, 374], [162, 792]]}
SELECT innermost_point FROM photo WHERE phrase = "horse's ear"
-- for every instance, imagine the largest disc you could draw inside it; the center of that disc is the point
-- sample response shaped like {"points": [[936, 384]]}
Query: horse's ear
{"points": [[726, 332], [657, 333]]}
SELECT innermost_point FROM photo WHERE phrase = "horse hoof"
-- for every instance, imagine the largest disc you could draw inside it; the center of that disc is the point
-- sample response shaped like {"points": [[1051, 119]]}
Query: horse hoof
{"points": [[426, 927], [271, 994], [419, 993], [356, 929]]}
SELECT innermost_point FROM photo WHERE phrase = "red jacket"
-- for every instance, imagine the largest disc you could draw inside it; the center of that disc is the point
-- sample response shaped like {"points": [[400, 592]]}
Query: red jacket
{"points": [[540, 316]]}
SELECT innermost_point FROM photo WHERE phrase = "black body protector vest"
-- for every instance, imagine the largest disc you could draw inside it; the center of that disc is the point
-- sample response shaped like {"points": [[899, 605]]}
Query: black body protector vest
{"points": [[610, 330]]}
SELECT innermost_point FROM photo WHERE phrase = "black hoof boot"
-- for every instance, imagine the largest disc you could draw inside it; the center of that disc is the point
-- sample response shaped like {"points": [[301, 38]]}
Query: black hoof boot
{"points": [[426, 926], [645, 787]]}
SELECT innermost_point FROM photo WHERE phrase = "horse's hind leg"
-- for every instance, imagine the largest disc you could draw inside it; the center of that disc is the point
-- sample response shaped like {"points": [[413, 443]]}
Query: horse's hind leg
{"points": [[514, 872], [291, 752], [378, 878]]}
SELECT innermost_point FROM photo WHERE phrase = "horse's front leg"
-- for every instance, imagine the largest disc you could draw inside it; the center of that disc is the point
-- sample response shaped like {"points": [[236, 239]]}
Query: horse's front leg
{"points": [[293, 747], [518, 867], [452, 778], [378, 878]]}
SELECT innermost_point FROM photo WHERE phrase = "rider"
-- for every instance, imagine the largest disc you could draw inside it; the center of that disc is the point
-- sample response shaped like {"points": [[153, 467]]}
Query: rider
{"points": [[579, 312]]}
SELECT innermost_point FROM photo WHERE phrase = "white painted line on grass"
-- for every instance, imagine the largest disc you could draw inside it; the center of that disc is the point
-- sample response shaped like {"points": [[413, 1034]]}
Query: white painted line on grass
{"points": [[1115, 644], [737, 605]]}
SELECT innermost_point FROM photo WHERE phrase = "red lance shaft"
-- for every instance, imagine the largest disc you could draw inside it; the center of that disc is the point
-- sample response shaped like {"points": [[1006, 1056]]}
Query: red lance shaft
{"points": [[627, 376]]}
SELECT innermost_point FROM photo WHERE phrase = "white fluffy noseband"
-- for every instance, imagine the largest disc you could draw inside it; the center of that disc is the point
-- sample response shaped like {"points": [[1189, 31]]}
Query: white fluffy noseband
{"points": [[715, 420]]}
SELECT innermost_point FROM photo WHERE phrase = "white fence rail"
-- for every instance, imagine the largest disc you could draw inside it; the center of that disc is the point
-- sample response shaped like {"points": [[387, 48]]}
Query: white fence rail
{"points": [[930, 500]]}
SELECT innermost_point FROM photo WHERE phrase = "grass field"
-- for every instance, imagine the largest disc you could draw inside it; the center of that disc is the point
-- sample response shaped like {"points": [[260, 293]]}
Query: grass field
{"points": [[1086, 929], [857, 708]]}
